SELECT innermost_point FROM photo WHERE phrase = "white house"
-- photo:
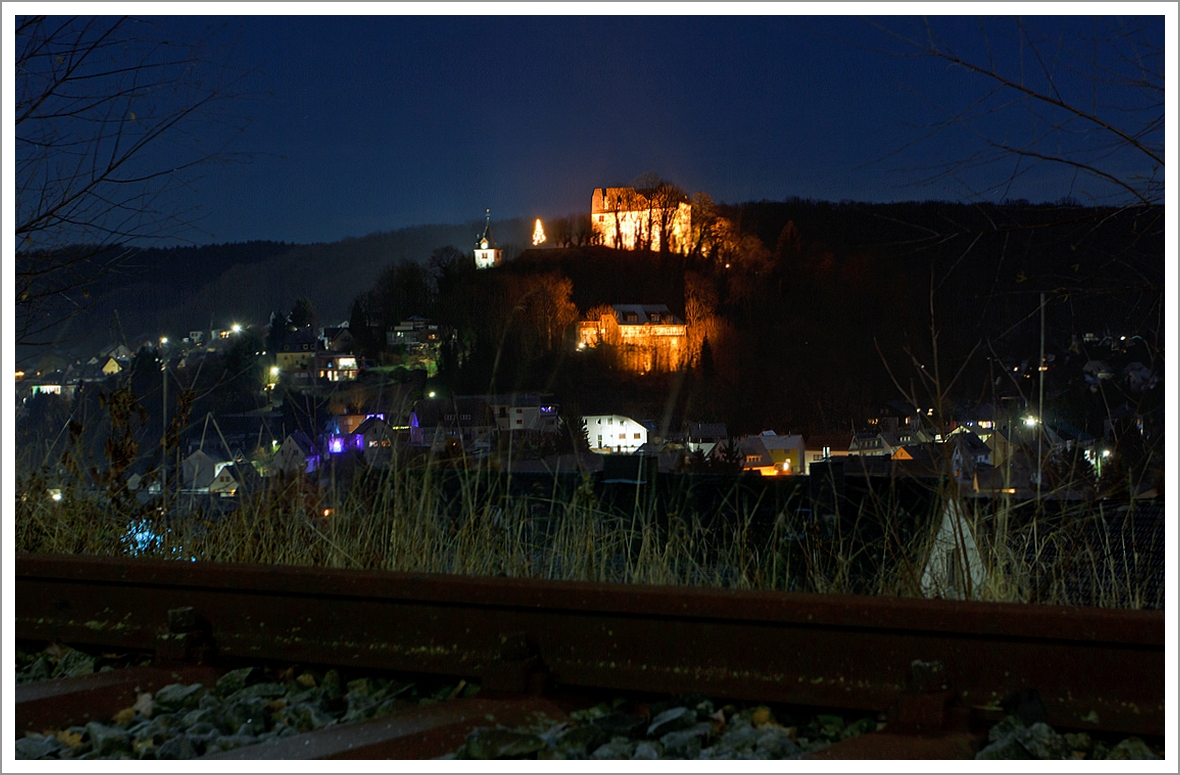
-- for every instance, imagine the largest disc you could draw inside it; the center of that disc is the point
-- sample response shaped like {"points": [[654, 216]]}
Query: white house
{"points": [[296, 455], [613, 433], [524, 412]]}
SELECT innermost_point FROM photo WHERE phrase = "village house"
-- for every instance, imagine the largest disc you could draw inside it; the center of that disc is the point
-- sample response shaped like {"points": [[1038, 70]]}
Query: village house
{"points": [[647, 337], [466, 420], [825, 447], [296, 455], [377, 441], [614, 433], [528, 412], [296, 356], [336, 367], [235, 479], [770, 454], [704, 437], [337, 339], [627, 219]]}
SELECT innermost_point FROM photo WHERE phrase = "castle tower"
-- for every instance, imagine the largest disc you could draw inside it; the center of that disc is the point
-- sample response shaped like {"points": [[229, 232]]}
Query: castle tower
{"points": [[487, 254]]}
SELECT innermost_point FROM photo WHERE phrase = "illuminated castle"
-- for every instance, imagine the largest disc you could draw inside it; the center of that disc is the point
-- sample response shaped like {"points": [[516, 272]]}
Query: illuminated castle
{"points": [[486, 253], [628, 219], [647, 337]]}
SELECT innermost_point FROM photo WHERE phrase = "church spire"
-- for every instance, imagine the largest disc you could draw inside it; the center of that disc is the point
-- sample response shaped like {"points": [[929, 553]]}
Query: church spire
{"points": [[486, 253]]}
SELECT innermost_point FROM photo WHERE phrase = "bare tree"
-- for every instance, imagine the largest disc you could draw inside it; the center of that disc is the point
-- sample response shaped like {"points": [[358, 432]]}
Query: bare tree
{"points": [[1086, 98], [112, 121], [663, 202], [1089, 99]]}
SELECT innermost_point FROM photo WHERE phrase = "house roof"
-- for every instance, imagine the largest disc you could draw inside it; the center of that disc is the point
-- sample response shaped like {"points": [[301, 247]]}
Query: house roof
{"points": [[521, 399], [645, 314], [835, 441], [243, 473], [781, 441], [373, 424], [970, 444], [463, 411], [302, 441], [707, 431], [296, 339]]}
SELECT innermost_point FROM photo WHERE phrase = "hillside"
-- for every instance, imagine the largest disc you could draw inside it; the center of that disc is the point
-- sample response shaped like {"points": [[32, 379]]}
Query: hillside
{"points": [[178, 289]]}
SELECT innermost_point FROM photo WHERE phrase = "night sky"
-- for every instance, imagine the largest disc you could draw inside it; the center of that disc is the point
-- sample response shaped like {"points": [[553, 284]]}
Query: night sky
{"points": [[357, 124]]}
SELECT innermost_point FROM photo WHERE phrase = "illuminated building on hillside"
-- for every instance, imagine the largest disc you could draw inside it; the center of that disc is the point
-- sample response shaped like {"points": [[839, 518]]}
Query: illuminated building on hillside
{"points": [[627, 219], [487, 254], [647, 337]]}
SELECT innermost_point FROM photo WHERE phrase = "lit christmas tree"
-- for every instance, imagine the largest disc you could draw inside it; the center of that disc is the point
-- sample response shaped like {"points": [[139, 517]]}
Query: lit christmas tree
{"points": [[538, 234]]}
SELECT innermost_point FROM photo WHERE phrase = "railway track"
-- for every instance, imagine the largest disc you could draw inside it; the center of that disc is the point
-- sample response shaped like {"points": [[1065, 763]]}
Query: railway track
{"points": [[932, 667]]}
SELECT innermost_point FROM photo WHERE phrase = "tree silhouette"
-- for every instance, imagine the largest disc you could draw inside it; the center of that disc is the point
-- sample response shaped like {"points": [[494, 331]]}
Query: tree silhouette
{"points": [[111, 119]]}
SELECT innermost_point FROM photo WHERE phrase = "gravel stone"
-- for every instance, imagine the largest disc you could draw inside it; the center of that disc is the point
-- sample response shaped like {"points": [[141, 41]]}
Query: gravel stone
{"points": [[581, 740], [174, 697], [236, 680], [36, 746], [626, 724], [1131, 748], [500, 743], [1007, 748], [618, 748], [649, 749], [179, 747], [1005, 728], [106, 740], [229, 742], [268, 691], [774, 742], [671, 720], [685, 743], [74, 663], [1042, 742]]}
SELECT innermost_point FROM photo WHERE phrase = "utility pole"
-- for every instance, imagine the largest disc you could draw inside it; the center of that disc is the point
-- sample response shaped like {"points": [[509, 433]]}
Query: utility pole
{"points": [[164, 433], [1041, 402]]}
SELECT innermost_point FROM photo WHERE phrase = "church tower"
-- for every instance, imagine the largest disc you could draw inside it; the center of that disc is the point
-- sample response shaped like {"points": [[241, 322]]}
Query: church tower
{"points": [[486, 253]]}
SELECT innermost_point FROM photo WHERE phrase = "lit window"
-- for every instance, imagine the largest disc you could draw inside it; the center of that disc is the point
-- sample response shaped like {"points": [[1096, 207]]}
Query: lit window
{"points": [[636, 435]]}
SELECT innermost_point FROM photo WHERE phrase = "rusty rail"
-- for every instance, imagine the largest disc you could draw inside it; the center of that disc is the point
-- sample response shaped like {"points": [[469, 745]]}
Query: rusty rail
{"points": [[1095, 668]]}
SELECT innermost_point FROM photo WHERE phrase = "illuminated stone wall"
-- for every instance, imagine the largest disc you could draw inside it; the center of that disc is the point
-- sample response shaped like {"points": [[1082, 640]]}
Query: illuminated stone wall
{"points": [[626, 219]]}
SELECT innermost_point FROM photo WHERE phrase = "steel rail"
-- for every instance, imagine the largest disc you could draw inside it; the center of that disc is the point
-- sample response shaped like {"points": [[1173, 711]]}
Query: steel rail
{"points": [[1099, 669]]}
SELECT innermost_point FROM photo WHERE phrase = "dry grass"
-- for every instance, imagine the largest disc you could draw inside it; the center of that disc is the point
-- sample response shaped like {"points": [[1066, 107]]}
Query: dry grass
{"points": [[436, 520]]}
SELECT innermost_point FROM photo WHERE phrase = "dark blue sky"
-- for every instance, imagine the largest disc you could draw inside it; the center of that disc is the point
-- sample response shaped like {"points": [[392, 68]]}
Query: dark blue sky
{"points": [[361, 124]]}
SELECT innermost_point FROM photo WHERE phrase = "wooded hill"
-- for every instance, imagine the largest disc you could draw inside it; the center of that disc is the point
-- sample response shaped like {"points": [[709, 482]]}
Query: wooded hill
{"points": [[808, 305]]}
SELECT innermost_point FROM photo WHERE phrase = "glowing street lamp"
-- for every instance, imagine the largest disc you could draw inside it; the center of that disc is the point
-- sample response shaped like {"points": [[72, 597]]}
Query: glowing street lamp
{"points": [[236, 328]]}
